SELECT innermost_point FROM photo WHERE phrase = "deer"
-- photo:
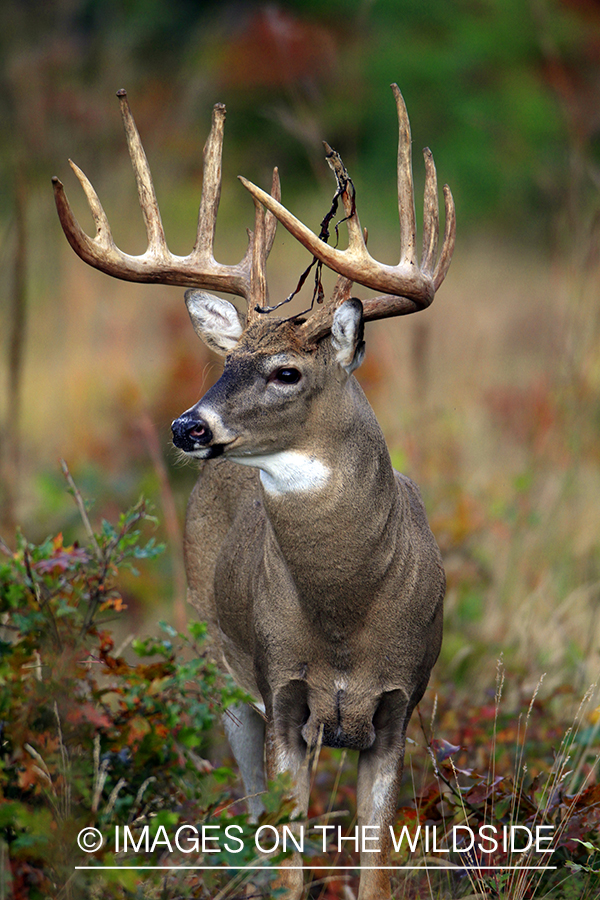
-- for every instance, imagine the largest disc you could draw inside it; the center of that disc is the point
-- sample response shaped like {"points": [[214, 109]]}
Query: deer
{"points": [[308, 555]]}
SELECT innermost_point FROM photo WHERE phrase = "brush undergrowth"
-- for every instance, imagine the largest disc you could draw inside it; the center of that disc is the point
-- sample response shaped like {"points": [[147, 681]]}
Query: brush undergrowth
{"points": [[90, 740], [486, 767], [529, 778], [95, 736]]}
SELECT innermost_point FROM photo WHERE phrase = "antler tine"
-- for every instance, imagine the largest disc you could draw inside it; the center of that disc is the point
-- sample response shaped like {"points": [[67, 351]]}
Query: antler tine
{"points": [[270, 220], [259, 292], [261, 242], [211, 186], [158, 265], [431, 216], [443, 263], [157, 245], [357, 246], [406, 197], [83, 245]]}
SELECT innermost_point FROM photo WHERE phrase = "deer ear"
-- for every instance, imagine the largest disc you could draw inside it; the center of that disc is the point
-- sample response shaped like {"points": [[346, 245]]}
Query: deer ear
{"points": [[216, 321], [347, 335]]}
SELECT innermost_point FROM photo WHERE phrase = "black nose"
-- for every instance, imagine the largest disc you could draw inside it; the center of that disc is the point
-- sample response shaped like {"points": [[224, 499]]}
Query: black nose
{"points": [[191, 432]]}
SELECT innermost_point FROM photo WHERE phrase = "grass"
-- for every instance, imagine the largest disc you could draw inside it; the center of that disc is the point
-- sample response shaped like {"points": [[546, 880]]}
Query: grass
{"points": [[517, 768], [530, 792]]}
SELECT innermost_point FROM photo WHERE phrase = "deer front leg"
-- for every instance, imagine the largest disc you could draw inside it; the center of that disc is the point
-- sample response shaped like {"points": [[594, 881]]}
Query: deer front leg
{"points": [[245, 731], [286, 751], [379, 775]]}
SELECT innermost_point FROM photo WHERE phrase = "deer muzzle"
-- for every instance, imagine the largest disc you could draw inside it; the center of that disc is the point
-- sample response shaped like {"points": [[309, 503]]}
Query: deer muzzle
{"points": [[193, 434]]}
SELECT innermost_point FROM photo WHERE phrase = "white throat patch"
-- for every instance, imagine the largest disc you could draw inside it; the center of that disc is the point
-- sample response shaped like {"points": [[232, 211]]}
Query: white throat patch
{"points": [[287, 471]]}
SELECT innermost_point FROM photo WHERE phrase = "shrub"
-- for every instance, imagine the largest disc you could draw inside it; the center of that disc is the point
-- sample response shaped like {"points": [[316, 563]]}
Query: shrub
{"points": [[89, 740]]}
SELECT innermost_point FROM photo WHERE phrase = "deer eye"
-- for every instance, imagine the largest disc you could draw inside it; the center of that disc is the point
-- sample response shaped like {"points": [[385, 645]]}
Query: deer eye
{"points": [[286, 375]]}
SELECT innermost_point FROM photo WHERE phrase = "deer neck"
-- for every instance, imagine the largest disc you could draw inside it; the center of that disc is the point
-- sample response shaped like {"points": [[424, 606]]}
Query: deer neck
{"points": [[344, 486]]}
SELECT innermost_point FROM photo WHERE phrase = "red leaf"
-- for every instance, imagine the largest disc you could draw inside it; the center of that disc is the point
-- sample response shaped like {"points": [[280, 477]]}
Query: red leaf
{"points": [[443, 749], [87, 712], [63, 559]]}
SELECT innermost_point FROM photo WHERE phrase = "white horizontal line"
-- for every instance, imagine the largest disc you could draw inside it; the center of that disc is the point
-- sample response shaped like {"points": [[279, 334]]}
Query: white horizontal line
{"points": [[326, 868]]}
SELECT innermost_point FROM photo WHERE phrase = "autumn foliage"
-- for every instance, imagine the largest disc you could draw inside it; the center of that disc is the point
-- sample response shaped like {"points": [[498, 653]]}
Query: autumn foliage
{"points": [[90, 739]]}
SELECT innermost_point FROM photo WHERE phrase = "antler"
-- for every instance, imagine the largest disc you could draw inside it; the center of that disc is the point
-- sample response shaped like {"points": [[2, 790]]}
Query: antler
{"points": [[408, 287], [158, 265]]}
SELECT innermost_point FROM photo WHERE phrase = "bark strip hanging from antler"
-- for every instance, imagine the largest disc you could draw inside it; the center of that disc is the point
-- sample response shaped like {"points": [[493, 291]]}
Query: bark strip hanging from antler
{"points": [[407, 286], [344, 182], [158, 265]]}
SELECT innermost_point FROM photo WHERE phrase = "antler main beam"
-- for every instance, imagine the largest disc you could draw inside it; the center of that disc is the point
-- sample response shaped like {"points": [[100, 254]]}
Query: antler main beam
{"points": [[158, 265], [407, 286]]}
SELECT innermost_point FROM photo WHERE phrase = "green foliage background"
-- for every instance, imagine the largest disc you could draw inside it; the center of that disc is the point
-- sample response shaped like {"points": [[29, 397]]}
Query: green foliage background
{"points": [[506, 87]]}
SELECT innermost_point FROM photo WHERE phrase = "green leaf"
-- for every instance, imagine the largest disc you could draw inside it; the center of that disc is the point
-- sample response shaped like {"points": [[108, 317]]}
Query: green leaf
{"points": [[197, 630], [589, 847]]}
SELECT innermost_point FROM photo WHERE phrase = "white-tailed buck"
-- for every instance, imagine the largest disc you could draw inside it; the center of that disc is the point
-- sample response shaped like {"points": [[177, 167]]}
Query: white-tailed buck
{"points": [[310, 558]]}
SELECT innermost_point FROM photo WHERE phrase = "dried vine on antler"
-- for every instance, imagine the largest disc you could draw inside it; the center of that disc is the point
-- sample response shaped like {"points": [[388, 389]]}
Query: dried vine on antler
{"points": [[407, 286]]}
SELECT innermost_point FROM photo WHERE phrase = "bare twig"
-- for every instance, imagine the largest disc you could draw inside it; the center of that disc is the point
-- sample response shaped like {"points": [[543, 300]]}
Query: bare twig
{"points": [[113, 796], [64, 753], [82, 511], [42, 601]]}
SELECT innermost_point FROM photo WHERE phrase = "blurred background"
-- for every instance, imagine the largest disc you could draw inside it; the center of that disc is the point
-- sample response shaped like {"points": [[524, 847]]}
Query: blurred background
{"points": [[489, 400]]}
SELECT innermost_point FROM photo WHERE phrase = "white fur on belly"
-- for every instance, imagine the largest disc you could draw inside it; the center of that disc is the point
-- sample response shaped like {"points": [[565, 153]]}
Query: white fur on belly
{"points": [[287, 470]]}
